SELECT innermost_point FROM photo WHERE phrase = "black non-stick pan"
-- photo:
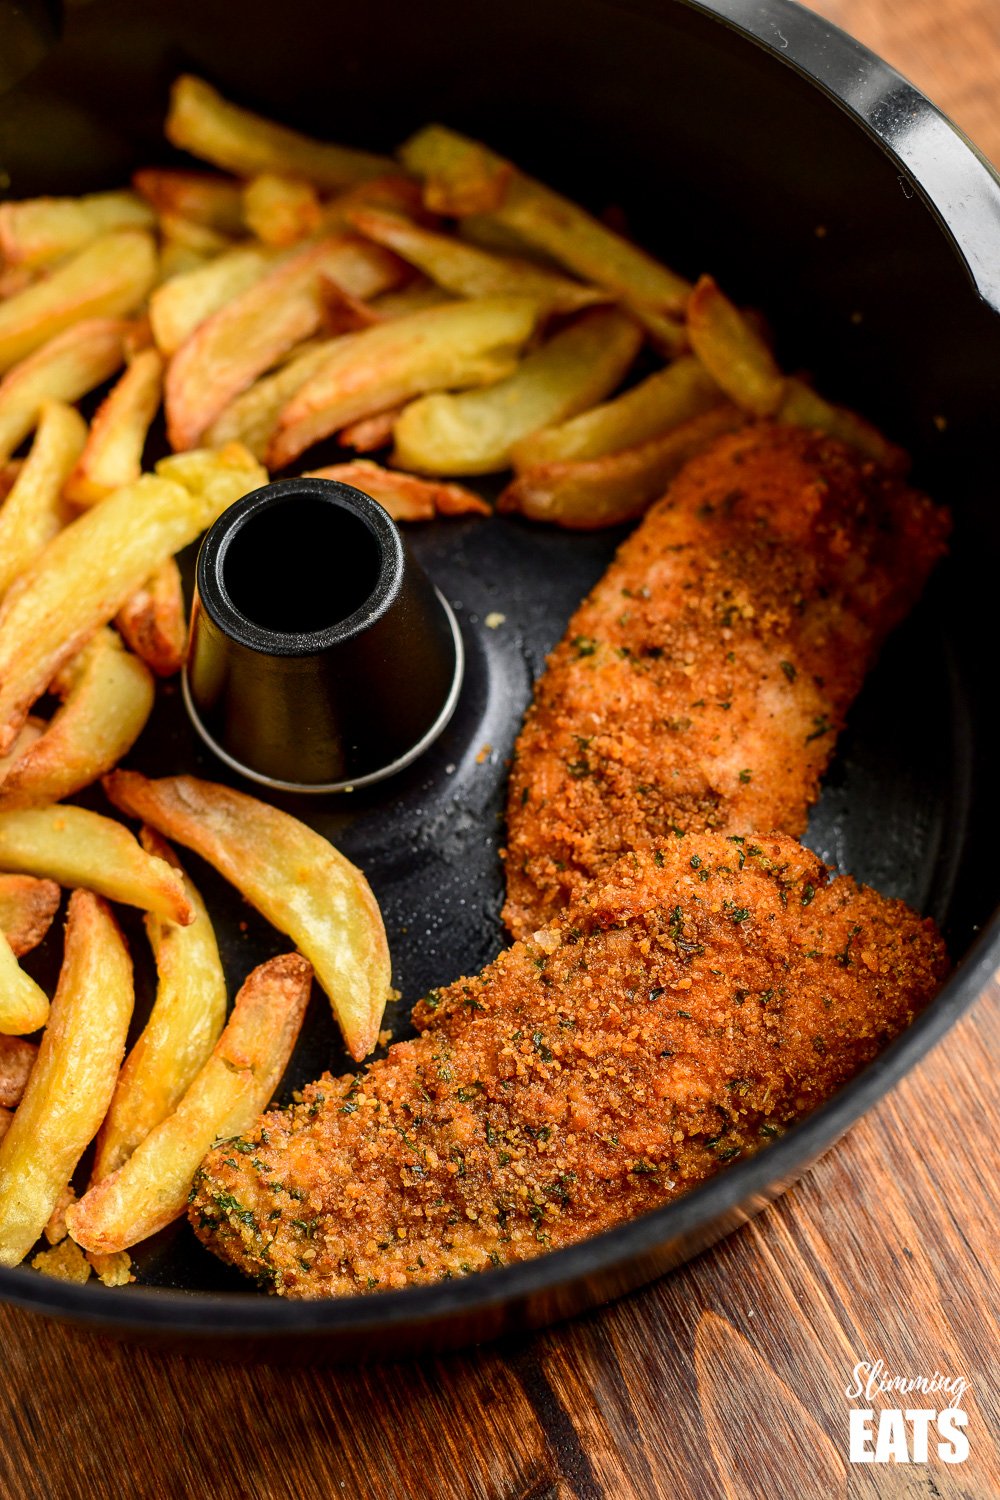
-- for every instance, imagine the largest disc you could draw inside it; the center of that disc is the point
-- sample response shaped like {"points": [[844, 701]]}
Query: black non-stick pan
{"points": [[749, 139]]}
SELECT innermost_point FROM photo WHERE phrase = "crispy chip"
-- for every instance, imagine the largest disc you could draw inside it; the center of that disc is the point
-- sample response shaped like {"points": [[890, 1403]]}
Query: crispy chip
{"points": [[406, 497], [153, 621], [107, 697], [803, 407], [184, 302], [108, 278], [199, 197], [73, 1077], [207, 125], [281, 210], [38, 231], [226, 1095], [244, 338], [80, 848], [299, 881], [733, 351], [27, 906], [183, 1027], [17, 1058], [23, 1005], [458, 344], [253, 417], [469, 271], [95, 564], [113, 453], [66, 368], [474, 432], [589, 493], [34, 511]]}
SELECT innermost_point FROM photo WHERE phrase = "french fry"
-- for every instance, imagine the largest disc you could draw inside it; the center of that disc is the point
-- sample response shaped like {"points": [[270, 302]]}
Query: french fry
{"points": [[448, 347], [178, 260], [253, 417], [14, 279], [457, 171], [153, 621], [461, 176], [281, 210], [88, 571], [227, 1094], [406, 497], [112, 456], [370, 433], [420, 294], [8, 475], [184, 302], [73, 1077], [38, 231], [6, 1120], [664, 400], [107, 696], [64, 369], [55, 1230], [295, 878], [394, 192], [34, 511], [199, 197], [473, 433], [80, 848], [31, 730], [107, 278], [469, 271], [27, 906], [17, 1058], [733, 351], [23, 1005], [342, 313], [202, 122], [804, 408], [230, 349], [183, 1027], [586, 494]]}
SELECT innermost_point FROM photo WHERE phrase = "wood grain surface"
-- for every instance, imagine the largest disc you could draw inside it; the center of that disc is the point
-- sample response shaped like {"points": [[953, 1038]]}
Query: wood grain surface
{"points": [[726, 1380]]}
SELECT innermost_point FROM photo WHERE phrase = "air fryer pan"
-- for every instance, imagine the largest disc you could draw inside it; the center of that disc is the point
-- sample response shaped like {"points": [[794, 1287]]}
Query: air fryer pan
{"points": [[725, 154]]}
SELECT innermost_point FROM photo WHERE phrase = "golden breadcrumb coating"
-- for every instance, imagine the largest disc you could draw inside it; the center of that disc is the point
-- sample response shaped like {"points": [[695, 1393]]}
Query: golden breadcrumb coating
{"points": [[687, 1008], [704, 681]]}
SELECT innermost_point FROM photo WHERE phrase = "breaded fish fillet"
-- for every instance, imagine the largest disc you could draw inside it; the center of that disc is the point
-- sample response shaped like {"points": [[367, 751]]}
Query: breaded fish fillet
{"points": [[704, 681], [685, 1010]]}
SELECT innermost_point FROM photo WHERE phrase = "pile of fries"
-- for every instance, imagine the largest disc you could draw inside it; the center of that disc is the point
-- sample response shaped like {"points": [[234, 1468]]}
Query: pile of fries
{"points": [[441, 306]]}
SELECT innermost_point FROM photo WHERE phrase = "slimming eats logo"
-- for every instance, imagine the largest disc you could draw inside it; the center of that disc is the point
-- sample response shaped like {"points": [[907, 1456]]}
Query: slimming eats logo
{"points": [[928, 1424]]}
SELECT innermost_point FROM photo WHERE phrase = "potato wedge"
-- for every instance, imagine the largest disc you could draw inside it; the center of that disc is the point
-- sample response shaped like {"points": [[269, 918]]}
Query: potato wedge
{"points": [[201, 121], [113, 453], [733, 351], [153, 621], [6, 1120], [664, 400], [24, 1006], [188, 234], [38, 231], [27, 906], [458, 171], [281, 210], [108, 278], [297, 880], [107, 697], [443, 348], [184, 302], [370, 433], [34, 511], [252, 418], [199, 197], [64, 369], [473, 433], [73, 1077], [803, 407], [590, 493], [468, 271], [88, 571], [227, 1094], [229, 350], [183, 1027], [80, 848], [406, 497], [17, 1058]]}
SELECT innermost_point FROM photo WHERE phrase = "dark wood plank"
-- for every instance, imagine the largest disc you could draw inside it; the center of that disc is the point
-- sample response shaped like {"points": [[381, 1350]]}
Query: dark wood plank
{"points": [[723, 1382]]}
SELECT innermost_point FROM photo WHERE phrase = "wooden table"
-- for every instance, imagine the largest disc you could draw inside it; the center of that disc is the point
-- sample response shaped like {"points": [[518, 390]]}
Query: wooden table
{"points": [[723, 1382]]}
